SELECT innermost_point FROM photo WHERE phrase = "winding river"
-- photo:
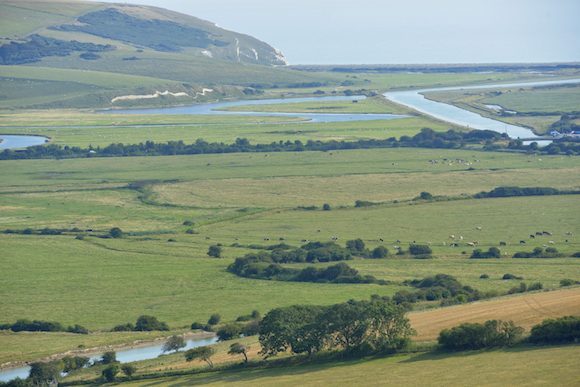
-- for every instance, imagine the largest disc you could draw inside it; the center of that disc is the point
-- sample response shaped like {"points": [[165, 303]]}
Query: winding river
{"points": [[144, 352], [414, 99]]}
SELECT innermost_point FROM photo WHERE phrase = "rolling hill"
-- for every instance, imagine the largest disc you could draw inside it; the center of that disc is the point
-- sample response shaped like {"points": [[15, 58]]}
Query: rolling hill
{"points": [[46, 48]]}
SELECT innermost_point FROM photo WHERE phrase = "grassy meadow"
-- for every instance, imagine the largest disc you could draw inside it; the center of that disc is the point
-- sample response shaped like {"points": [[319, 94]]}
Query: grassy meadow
{"points": [[161, 267], [529, 366]]}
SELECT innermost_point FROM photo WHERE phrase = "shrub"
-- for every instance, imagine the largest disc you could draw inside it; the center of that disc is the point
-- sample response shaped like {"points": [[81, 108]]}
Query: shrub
{"points": [[556, 331], [197, 325], [326, 207], [110, 373], [509, 276], [229, 331], [492, 252], [469, 336], [214, 251], [535, 286], [214, 319], [116, 232], [150, 323], [420, 250], [380, 252], [567, 282], [124, 328], [109, 357], [128, 369], [484, 276]]}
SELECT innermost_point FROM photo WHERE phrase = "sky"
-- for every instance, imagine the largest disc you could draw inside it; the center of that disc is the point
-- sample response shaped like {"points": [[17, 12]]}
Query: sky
{"points": [[400, 31]]}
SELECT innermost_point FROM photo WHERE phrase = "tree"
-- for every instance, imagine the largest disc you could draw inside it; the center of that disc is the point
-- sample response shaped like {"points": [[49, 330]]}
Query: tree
{"points": [[150, 323], [237, 349], [229, 331], [214, 251], [214, 319], [425, 196], [380, 252], [345, 324], [128, 369], [203, 353], [174, 343], [356, 245], [109, 357], [389, 327], [291, 328], [116, 232], [420, 250], [556, 331], [44, 373], [110, 373]]}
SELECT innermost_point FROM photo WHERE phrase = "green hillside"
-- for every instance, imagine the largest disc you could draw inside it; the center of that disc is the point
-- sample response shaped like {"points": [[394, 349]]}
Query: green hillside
{"points": [[121, 44]]}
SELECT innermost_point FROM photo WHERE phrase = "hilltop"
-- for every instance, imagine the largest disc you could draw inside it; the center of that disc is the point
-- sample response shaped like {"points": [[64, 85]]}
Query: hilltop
{"points": [[82, 54]]}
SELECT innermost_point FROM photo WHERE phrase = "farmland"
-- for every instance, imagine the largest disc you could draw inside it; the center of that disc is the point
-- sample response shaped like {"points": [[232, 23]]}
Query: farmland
{"points": [[515, 366]]}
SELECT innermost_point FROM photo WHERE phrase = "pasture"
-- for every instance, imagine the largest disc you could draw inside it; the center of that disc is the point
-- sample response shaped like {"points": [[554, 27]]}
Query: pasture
{"points": [[527, 366]]}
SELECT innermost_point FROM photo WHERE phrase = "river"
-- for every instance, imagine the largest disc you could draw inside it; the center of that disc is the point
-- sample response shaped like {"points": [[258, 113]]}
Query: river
{"points": [[145, 352], [18, 142], [416, 100]]}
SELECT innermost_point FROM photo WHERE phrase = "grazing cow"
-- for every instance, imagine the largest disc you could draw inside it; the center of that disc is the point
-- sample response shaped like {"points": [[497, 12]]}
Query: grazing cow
{"points": [[551, 242], [304, 241], [471, 244], [532, 236], [451, 236], [460, 237], [568, 233], [454, 245], [266, 239], [398, 241], [539, 233], [547, 233], [381, 239], [502, 243], [522, 242], [478, 228], [207, 238], [281, 239]]}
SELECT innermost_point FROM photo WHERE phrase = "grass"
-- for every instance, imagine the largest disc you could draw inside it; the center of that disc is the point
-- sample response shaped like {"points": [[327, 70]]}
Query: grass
{"points": [[546, 104], [524, 310], [114, 129], [519, 366]]}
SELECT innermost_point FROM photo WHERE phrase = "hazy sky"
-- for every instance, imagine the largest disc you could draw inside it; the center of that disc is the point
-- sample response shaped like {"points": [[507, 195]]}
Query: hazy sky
{"points": [[400, 31]]}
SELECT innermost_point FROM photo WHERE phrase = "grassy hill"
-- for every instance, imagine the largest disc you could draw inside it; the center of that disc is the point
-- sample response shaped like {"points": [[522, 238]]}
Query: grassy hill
{"points": [[117, 43]]}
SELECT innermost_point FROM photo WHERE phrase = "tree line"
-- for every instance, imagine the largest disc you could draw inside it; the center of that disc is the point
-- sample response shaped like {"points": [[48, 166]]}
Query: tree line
{"points": [[427, 138]]}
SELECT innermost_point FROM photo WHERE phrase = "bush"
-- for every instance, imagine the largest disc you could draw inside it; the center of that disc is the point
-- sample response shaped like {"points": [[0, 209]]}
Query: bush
{"points": [[128, 370], [538, 252], [492, 252], [78, 329], [214, 319], [420, 250], [197, 325], [469, 336], [124, 328], [567, 282], [116, 232], [110, 373], [425, 196], [109, 357], [484, 276], [380, 252], [326, 207], [556, 331], [214, 251], [535, 286], [150, 323], [229, 331], [509, 276]]}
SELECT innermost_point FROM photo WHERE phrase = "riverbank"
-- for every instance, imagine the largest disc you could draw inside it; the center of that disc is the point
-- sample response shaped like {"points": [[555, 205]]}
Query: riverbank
{"points": [[95, 351]]}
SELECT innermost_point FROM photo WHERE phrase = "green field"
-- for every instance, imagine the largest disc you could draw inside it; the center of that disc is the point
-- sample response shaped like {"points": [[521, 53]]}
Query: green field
{"points": [[245, 198], [537, 107], [525, 366]]}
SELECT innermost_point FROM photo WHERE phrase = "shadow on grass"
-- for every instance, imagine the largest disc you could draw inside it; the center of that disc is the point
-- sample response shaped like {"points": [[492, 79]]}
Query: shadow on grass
{"points": [[441, 354]]}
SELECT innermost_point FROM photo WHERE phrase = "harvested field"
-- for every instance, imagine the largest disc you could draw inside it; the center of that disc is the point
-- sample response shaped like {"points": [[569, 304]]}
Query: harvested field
{"points": [[525, 310]]}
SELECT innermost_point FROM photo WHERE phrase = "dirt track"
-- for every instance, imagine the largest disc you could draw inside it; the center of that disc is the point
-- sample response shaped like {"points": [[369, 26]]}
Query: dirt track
{"points": [[525, 310]]}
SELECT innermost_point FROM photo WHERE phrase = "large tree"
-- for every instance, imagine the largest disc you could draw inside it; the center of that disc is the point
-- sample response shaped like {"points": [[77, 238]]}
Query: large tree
{"points": [[203, 353]]}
